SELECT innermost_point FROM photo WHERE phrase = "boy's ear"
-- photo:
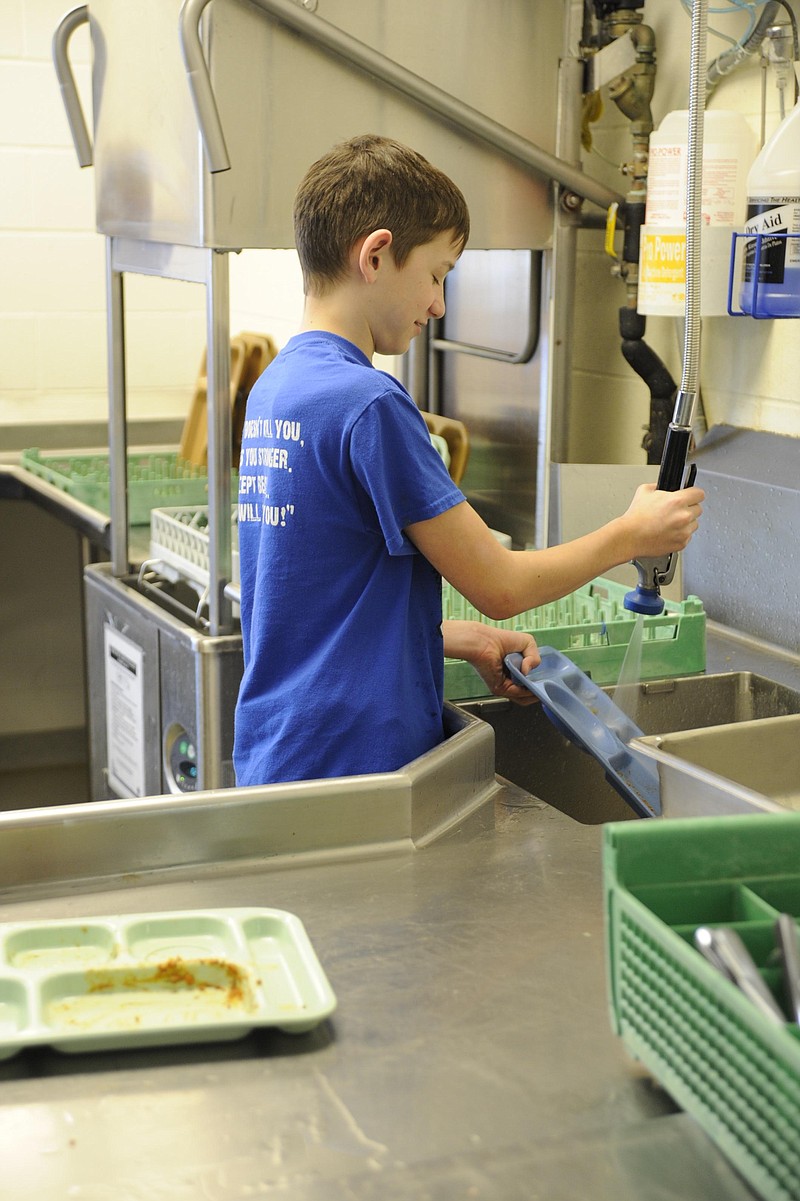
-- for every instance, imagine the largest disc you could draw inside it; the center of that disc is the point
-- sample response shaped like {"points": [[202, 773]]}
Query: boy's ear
{"points": [[374, 249]]}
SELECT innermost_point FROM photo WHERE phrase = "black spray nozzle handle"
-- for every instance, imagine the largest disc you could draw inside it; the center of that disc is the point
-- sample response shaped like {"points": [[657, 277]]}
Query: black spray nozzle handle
{"points": [[653, 573], [673, 462]]}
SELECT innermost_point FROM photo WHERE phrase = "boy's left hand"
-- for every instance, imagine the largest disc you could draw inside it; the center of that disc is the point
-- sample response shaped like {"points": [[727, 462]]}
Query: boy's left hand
{"points": [[485, 647]]}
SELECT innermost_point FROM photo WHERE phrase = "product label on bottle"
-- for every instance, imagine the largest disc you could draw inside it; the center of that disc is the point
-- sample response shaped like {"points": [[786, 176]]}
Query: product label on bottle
{"points": [[772, 220], [662, 257], [666, 185]]}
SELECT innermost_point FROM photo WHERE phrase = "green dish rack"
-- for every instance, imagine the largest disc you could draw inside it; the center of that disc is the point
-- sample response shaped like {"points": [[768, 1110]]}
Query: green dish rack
{"points": [[592, 627], [155, 480], [736, 1072]]}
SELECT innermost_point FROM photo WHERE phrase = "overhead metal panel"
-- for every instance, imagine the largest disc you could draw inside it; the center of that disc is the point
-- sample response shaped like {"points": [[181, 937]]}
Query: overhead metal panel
{"points": [[283, 101]]}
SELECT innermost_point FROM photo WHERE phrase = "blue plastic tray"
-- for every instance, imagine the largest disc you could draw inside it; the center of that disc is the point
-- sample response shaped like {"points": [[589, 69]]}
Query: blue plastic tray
{"points": [[589, 718]]}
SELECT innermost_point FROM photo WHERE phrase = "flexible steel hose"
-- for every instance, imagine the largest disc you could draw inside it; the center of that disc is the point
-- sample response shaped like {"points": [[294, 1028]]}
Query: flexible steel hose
{"points": [[690, 379]]}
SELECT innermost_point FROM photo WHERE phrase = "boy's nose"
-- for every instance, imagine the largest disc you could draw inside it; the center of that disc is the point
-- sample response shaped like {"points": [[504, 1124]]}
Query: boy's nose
{"points": [[437, 308]]}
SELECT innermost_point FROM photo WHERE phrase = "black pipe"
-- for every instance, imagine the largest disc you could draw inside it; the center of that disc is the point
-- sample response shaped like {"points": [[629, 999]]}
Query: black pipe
{"points": [[647, 364], [641, 357], [632, 236]]}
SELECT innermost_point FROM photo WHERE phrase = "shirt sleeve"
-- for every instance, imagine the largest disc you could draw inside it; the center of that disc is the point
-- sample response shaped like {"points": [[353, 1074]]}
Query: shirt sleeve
{"points": [[396, 463]]}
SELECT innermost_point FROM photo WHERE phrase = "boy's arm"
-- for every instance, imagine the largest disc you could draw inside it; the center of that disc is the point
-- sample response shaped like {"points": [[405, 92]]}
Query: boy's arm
{"points": [[501, 583], [485, 647]]}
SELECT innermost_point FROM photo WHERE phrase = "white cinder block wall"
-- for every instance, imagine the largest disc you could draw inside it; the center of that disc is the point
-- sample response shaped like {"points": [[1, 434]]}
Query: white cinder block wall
{"points": [[52, 262], [52, 286]]}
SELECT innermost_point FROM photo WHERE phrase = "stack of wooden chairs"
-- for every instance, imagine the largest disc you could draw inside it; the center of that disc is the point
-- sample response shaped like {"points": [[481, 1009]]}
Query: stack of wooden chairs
{"points": [[457, 439], [250, 355]]}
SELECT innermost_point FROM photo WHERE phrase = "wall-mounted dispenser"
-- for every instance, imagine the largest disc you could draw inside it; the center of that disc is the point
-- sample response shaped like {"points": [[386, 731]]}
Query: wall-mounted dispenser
{"points": [[771, 275], [728, 150]]}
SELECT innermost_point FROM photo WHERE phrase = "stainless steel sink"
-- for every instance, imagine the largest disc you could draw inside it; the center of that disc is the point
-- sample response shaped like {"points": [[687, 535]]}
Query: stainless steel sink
{"points": [[531, 753], [751, 767]]}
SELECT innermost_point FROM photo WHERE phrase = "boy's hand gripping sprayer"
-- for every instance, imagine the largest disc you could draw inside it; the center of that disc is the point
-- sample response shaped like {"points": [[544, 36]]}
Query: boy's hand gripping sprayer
{"points": [[673, 474]]}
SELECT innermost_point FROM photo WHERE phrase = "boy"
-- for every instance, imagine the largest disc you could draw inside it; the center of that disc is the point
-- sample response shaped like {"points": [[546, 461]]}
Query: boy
{"points": [[348, 517]]}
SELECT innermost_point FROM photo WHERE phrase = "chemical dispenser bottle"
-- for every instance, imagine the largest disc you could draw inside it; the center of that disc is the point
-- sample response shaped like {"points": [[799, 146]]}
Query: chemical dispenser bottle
{"points": [[729, 147], [773, 212]]}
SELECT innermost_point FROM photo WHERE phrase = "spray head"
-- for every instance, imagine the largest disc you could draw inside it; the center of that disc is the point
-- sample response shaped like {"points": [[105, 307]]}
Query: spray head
{"points": [[644, 600], [646, 596]]}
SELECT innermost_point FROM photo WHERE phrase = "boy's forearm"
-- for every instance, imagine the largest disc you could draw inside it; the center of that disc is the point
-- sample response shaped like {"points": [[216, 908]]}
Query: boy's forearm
{"points": [[501, 583], [542, 576]]}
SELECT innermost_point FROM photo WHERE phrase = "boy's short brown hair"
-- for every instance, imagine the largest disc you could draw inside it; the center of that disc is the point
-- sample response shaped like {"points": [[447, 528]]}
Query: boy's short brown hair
{"points": [[367, 183]]}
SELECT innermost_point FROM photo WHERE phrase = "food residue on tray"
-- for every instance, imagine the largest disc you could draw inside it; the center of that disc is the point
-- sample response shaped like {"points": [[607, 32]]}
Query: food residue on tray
{"points": [[175, 992]]}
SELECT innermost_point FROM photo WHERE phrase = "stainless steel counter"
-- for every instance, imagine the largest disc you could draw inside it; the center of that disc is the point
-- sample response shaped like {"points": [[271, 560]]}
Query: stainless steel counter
{"points": [[470, 1055], [16, 483]]}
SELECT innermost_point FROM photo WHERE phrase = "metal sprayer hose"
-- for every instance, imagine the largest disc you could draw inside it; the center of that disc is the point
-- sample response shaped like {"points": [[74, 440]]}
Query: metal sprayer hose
{"points": [[690, 380]]}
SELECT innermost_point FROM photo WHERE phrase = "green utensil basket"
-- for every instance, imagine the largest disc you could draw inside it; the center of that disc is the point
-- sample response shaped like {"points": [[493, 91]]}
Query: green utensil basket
{"points": [[155, 480], [736, 1072]]}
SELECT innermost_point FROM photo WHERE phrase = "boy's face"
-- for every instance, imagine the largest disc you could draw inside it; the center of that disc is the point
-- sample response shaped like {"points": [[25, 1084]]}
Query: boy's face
{"points": [[412, 294]]}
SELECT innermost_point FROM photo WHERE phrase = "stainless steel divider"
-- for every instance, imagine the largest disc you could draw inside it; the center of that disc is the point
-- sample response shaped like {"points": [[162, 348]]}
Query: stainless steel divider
{"points": [[346, 817], [195, 265]]}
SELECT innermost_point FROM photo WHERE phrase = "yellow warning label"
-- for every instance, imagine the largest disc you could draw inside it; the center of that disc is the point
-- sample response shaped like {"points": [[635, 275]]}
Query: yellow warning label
{"points": [[662, 258]]}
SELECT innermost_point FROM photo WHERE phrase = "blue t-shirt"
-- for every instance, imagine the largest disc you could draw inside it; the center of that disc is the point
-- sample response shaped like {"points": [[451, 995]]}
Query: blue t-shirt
{"points": [[341, 615]]}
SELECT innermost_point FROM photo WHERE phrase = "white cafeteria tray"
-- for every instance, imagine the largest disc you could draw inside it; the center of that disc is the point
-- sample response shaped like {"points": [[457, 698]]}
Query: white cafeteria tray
{"points": [[149, 979]]}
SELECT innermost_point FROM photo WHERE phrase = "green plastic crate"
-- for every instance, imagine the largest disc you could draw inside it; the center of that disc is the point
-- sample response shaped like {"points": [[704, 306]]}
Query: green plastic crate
{"points": [[155, 480], [734, 1071], [592, 628]]}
